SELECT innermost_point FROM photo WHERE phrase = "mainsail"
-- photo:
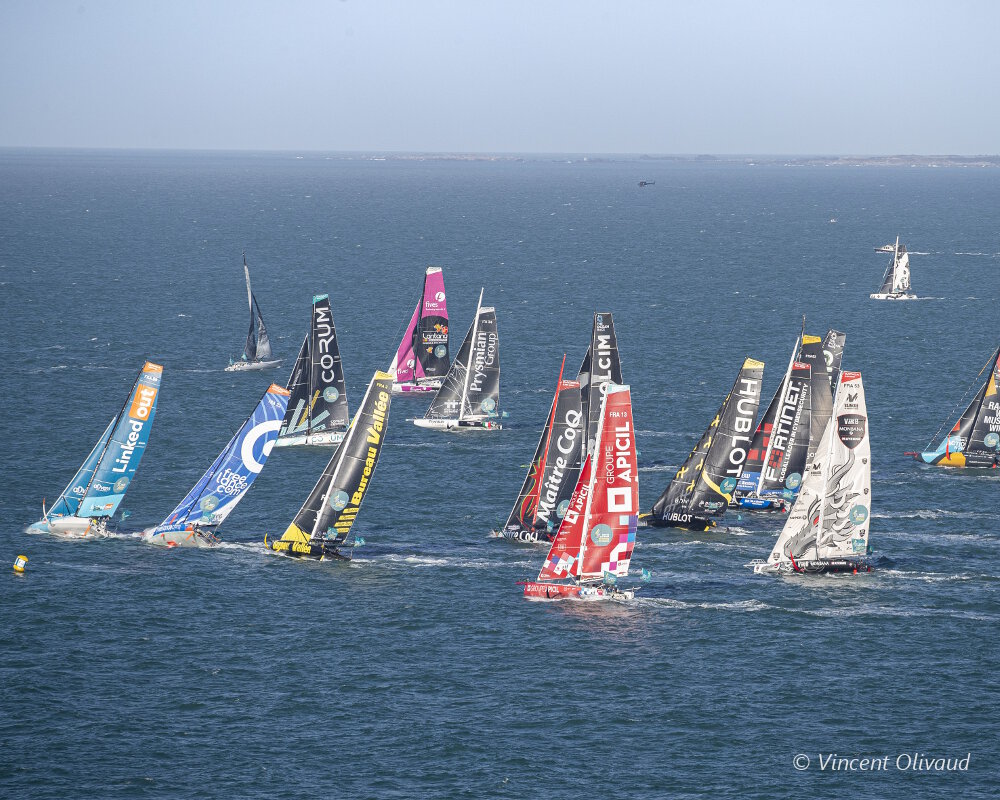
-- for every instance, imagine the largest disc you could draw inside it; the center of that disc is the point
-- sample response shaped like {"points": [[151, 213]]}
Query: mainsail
{"points": [[896, 280], [470, 392], [318, 393], [324, 522], [777, 454], [703, 486], [100, 483], [258, 346], [600, 366], [974, 440], [827, 528], [229, 477], [811, 352], [599, 542], [544, 497], [423, 352], [833, 354]]}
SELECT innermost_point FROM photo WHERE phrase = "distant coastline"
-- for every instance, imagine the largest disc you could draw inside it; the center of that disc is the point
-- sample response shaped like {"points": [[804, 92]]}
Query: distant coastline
{"points": [[978, 161], [749, 160]]}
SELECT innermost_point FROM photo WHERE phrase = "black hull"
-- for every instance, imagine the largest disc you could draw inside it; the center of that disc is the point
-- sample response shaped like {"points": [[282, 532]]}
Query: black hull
{"points": [[525, 536], [833, 566], [691, 522]]}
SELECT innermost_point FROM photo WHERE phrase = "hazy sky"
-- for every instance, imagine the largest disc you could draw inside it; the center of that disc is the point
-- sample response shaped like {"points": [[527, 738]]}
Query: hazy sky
{"points": [[621, 76]]}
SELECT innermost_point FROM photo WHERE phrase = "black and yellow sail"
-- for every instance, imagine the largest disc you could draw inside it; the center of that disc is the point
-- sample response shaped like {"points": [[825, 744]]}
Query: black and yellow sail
{"points": [[703, 486], [324, 522], [974, 440]]}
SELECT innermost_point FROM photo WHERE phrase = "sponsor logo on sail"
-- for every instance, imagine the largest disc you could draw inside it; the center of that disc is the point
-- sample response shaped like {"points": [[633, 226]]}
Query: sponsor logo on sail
{"points": [[601, 535], [339, 500], [851, 429], [120, 484], [142, 403]]}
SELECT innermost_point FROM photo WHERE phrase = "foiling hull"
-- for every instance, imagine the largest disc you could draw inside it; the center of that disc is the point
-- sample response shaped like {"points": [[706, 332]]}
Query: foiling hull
{"points": [[71, 527], [251, 366], [316, 438], [191, 537], [543, 590], [428, 387], [457, 424], [318, 550], [757, 503], [522, 535], [954, 459], [684, 522], [892, 296], [823, 566]]}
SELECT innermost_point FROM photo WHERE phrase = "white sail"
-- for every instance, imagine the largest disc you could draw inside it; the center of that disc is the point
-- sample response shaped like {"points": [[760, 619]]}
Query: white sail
{"points": [[830, 517]]}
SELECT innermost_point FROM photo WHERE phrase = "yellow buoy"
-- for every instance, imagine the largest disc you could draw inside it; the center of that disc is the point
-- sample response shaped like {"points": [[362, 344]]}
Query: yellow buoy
{"points": [[19, 563]]}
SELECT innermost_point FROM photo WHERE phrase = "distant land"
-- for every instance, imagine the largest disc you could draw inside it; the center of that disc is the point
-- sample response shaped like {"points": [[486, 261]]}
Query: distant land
{"points": [[771, 160]]}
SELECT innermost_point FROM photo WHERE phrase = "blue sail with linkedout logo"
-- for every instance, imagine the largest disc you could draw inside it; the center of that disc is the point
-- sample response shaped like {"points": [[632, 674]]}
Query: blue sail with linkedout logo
{"points": [[120, 458], [224, 483]]}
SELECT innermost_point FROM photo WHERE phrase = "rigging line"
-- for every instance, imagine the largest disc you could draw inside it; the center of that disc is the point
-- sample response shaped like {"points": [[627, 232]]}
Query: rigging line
{"points": [[961, 400]]}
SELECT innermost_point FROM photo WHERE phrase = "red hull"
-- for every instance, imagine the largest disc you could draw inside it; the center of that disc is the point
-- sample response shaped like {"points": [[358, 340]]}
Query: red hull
{"points": [[539, 590]]}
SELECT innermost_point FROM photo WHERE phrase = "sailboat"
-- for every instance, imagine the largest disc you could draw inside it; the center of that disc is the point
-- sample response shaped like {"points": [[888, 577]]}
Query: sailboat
{"points": [[974, 441], [317, 406], [703, 486], [257, 350], [594, 543], [99, 485], [421, 359], [827, 528], [776, 459], [552, 474], [469, 397], [322, 526], [896, 281], [196, 519], [600, 367]]}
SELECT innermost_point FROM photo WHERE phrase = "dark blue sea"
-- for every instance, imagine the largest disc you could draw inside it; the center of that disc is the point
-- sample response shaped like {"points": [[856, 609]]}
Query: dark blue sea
{"points": [[417, 670]]}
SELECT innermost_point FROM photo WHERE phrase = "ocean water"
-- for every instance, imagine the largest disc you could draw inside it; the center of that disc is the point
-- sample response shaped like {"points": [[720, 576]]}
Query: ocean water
{"points": [[418, 670]]}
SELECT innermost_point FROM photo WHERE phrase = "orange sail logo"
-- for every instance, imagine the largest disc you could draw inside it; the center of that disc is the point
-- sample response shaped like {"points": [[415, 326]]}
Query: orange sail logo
{"points": [[142, 405]]}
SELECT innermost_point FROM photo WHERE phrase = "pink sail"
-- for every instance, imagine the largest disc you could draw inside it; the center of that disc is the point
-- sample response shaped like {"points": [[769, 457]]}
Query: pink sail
{"points": [[405, 360]]}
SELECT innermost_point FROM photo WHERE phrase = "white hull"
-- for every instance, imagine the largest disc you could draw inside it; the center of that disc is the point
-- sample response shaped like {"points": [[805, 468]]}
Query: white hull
{"points": [[322, 438], [71, 527], [416, 388], [188, 538], [249, 366], [456, 424], [878, 296]]}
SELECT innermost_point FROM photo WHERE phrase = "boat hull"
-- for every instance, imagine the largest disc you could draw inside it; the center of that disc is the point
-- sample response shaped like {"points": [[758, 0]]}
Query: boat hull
{"points": [[185, 538], [522, 535], [684, 522], [252, 366], [323, 438], [316, 551], [416, 388], [543, 590], [70, 527], [829, 566], [457, 424], [881, 296], [755, 503]]}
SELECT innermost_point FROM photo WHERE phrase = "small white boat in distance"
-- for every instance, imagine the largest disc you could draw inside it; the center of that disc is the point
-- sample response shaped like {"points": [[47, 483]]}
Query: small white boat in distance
{"points": [[896, 281], [257, 351]]}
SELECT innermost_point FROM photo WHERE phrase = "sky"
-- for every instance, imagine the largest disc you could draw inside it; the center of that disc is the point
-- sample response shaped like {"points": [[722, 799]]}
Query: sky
{"points": [[503, 76]]}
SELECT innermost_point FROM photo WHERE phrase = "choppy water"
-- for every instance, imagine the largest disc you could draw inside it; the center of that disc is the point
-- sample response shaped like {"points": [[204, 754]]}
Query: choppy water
{"points": [[418, 670]]}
